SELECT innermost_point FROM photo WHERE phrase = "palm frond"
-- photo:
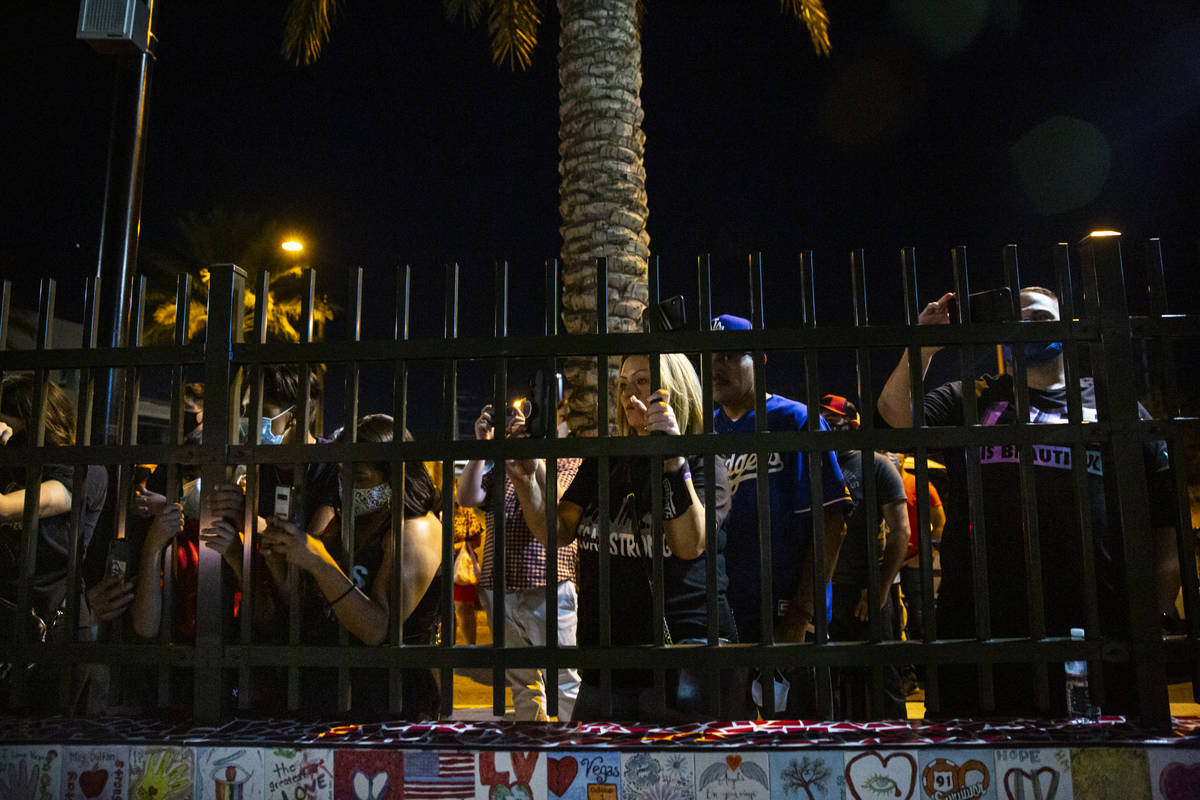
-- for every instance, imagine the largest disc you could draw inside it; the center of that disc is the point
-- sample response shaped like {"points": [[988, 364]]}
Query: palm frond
{"points": [[306, 29], [513, 26], [470, 12], [812, 14]]}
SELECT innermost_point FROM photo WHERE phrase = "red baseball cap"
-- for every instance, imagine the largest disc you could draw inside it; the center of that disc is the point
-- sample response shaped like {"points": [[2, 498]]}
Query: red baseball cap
{"points": [[839, 405]]}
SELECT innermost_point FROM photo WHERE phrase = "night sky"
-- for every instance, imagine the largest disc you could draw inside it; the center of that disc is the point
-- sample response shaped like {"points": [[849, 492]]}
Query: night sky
{"points": [[966, 123]]}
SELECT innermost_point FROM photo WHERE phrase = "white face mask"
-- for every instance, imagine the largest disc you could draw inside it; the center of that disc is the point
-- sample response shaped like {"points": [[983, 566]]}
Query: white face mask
{"points": [[266, 428], [368, 500]]}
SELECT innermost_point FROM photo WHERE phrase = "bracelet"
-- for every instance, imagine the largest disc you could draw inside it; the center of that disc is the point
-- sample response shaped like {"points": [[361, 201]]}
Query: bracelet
{"points": [[676, 497], [342, 596]]}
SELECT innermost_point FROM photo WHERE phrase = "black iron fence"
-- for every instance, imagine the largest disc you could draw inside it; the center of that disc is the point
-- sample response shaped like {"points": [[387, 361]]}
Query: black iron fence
{"points": [[1101, 328]]}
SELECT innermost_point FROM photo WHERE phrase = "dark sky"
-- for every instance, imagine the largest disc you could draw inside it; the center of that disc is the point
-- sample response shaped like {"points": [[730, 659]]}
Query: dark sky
{"points": [[933, 123]]}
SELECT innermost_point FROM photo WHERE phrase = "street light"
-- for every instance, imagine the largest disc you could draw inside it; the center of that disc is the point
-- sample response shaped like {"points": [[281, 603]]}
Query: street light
{"points": [[292, 246]]}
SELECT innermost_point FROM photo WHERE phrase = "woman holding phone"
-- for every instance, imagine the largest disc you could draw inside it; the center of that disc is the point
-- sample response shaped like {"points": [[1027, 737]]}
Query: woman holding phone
{"points": [[670, 410]]}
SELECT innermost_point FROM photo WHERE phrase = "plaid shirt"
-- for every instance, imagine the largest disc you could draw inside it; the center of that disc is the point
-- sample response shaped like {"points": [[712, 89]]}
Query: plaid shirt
{"points": [[524, 556]]}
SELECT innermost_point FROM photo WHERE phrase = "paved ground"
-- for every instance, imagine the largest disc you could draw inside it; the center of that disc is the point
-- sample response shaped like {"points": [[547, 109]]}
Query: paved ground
{"points": [[473, 691]]}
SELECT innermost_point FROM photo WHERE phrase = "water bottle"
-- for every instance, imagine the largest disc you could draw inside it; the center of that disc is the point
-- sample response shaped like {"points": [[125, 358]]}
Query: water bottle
{"points": [[1079, 698]]}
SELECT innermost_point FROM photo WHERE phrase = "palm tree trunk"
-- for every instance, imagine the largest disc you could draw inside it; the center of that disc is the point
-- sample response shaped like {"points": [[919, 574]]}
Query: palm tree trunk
{"points": [[602, 195]]}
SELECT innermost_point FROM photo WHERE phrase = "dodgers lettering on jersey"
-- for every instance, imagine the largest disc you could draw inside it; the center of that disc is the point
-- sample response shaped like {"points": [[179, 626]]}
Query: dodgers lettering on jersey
{"points": [[744, 467]]}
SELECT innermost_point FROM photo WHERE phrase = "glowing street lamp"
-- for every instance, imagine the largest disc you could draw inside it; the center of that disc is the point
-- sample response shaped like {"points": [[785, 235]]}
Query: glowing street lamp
{"points": [[292, 246]]}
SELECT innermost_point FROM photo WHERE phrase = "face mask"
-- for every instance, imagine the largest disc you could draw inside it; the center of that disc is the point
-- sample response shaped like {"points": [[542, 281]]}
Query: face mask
{"points": [[1037, 352], [265, 428], [368, 500]]}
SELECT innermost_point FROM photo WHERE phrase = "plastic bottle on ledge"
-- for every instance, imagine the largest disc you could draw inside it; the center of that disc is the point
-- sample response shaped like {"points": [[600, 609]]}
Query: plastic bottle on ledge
{"points": [[1079, 696]]}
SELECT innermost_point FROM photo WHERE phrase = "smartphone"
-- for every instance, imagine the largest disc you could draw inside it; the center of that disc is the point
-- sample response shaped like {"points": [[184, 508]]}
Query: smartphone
{"points": [[118, 559], [992, 305], [283, 502], [671, 315]]}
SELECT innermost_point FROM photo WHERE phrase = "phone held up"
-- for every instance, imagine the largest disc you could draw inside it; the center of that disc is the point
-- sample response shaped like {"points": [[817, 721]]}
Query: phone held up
{"points": [[283, 502], [992, 305], [117, 563]]}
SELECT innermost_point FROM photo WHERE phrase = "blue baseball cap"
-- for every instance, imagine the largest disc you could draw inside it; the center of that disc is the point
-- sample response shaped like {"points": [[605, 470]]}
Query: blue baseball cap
{"points": [[728, 322]]}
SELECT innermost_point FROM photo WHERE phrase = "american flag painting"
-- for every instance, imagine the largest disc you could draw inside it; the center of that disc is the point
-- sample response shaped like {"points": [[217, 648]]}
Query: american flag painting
{"points": [[442, 775]]}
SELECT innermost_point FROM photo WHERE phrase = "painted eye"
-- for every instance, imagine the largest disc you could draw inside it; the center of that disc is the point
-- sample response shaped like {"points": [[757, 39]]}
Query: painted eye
{"points": [[882, 786]]}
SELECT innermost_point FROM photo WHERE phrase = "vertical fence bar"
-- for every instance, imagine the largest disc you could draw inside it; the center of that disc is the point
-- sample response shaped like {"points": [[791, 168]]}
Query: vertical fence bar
{"points": [[33, 479], [712, 550], [767, 605], [450, 404], [262, 312], [1028, 493], [657, 601], [875, 598], [225, 304], [500, 484], [1167, 365], [166, 626], [976, 517], [1119, 406], [552, 677], [603, 483], [1074, 372], [350, 434], [398, 470], [811, 459]]}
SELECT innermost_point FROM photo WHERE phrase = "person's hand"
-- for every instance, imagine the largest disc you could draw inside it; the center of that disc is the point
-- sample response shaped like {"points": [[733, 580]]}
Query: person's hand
{"points": [[862, 607], [146, 503], [223, 537], [281, 537], [658, 413], [484, 425], [6, 432], [937, 312], [514, 426], [166, 525], [793, 627], [520, 469], [228, 501], [109, 598]]}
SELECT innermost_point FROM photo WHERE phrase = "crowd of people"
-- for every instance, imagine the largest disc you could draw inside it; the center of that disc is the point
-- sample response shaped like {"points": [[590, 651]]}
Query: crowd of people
{"points": [[870, 551]]}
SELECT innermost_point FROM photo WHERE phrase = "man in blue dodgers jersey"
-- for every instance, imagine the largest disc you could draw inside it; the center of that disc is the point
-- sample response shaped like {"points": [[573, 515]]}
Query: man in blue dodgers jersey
{"points": [[1061, 547], [791, 525]]}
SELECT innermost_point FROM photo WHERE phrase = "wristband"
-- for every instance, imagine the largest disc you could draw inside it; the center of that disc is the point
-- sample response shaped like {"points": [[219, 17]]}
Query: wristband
{"points": [[676, 497], [342, 596]]}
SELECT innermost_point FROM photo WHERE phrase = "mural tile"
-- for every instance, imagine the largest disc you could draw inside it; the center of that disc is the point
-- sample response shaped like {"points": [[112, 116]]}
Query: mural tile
{"points": [[96, 773], [511, 775], [360, 774], [299, 774], [870, 774], [1033, 773], [808, 774], [162, 773], [33, 772], [587, 775], [722, 775], [661, 775], [1110, 773], [957, 774], [230, 773], [1174, 772]]}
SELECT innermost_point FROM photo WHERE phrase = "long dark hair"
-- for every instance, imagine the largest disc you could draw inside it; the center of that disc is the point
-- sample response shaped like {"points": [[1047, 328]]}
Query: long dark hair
{"points": [[420, 495], [19, 400]]}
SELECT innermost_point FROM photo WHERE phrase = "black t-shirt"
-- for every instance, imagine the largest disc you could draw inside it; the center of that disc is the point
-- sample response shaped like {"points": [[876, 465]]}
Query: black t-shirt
{"points": [[631, 566], [889, 488], [369, 686], [54, 537], [1058, 511]]}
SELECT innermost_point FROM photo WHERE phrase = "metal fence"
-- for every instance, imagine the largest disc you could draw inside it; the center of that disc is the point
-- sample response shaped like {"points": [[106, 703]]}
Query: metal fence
{"points": [[226, 358]]}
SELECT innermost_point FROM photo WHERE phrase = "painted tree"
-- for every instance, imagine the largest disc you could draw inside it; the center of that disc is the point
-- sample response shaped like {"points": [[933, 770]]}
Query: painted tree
{"points": [[602, 193]]}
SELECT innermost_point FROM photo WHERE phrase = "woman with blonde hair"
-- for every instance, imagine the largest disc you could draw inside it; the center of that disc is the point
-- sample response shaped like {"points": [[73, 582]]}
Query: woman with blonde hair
{"points": [[672, 409]]}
